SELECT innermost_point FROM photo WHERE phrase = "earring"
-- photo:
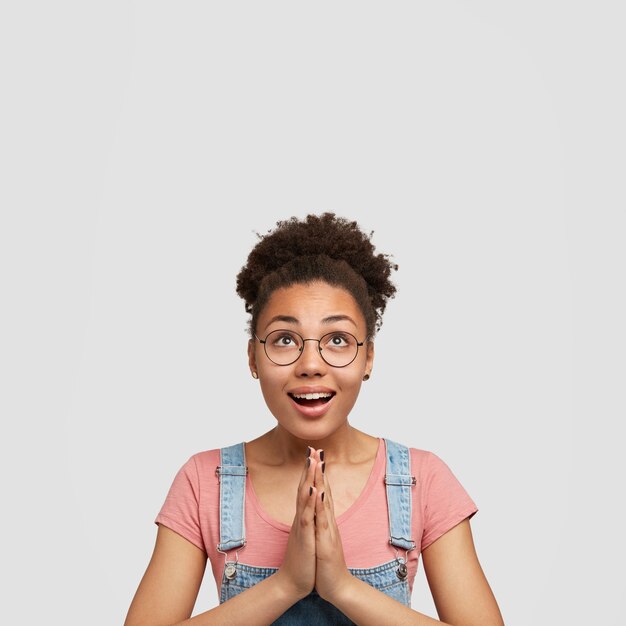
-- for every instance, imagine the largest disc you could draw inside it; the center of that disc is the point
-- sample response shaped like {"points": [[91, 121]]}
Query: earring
{"points": [[366, 377], [255, 375]]}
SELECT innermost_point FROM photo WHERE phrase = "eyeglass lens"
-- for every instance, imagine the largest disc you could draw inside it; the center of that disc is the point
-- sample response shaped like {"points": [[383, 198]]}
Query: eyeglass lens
{"points": [[284, 347]]}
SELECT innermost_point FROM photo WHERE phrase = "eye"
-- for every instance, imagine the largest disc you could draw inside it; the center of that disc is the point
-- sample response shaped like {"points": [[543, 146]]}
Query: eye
{"points": [[282, 339], [338, 340]]}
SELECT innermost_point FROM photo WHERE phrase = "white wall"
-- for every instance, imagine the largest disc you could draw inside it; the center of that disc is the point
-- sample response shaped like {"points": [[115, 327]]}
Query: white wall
{"points": [[143, 144]]}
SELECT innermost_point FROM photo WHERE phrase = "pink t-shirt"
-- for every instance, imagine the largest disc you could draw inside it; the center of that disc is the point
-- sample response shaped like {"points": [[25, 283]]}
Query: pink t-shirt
{"points": [[440, 502]]}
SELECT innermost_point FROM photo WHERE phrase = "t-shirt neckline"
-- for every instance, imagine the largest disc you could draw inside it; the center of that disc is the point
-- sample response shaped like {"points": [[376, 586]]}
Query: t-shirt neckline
{"points": [[373, 478]]}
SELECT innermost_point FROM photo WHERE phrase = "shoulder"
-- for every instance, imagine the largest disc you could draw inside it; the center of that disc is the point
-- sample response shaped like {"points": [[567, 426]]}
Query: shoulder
{"points": [[432, 473], [198, 468], [425, 461], [422, 461], [203, 462], [420, 458]]}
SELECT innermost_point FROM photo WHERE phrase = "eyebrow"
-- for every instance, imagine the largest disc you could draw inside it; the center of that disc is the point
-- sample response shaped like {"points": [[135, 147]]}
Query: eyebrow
{"points": [[327, 320]]}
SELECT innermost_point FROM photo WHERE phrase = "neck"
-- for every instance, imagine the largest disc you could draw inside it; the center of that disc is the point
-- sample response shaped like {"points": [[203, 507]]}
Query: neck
{"points": [[345, 445]]}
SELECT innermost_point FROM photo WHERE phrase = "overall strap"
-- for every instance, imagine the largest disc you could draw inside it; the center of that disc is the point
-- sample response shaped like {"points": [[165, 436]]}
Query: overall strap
{"points": [[232, 473], [399, 483]]}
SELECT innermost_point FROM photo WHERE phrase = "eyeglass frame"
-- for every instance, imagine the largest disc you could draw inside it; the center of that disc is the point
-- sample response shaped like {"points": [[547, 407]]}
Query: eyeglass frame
{"points": [[319, 346]]}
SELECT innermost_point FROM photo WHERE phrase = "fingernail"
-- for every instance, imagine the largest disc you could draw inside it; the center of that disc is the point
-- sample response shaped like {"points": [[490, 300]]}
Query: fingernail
{"points": [[322, 455], [322, 496], [323, 466], [308, 462], [308, 450], [311, 491]]}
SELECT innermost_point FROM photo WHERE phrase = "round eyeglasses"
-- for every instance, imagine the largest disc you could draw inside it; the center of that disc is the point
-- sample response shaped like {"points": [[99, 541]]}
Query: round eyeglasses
{"points": [[284, 347]]}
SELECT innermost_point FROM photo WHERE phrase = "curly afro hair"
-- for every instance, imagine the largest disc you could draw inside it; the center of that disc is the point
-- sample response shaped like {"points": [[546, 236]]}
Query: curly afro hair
{"points": [[325, 247]]}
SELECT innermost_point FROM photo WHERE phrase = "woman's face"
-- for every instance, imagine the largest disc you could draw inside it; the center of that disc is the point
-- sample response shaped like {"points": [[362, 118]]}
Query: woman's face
{"points": [[312, 310]]}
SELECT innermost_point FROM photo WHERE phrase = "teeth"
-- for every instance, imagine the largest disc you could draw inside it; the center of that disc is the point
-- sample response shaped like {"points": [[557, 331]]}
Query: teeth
{"points": [[311, 396]]}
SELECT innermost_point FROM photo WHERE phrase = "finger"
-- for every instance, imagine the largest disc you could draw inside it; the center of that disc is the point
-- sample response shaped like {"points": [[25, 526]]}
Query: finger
{"points": [[325, 497], [321, 480], [305, 468], [306, 491], [307, 512], [321, 512], [320, 471], [329, 506], [308, 474], [328, 492]]}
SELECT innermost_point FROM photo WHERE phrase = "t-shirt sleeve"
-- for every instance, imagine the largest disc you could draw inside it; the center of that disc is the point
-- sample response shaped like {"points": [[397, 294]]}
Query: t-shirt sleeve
{"points": [[445, 501], [181, 509]]}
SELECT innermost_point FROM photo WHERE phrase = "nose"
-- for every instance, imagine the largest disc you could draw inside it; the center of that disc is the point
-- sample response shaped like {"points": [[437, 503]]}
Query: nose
{"points": [[310, 362]]}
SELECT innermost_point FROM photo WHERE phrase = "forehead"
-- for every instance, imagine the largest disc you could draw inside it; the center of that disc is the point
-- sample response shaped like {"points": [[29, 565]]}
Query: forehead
{"points": [[311, 303]]}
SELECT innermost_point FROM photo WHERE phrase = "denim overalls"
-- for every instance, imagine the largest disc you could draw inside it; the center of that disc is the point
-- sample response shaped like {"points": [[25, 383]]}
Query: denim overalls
{"points": [[389, 577]]}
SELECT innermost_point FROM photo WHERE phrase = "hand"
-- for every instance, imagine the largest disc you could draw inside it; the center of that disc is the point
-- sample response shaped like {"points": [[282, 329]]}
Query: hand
{"points": [[331, 571], [298, 568]]}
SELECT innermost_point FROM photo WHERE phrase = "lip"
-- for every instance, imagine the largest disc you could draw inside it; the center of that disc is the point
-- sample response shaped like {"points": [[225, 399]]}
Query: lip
{"points": [[311, 389], [311, 411]]}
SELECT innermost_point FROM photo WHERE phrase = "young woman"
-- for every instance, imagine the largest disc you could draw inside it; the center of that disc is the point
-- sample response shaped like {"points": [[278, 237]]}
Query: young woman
{"points": [[314, 522]]}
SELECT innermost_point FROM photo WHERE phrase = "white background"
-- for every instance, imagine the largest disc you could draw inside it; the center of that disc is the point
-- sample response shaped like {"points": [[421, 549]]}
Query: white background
{"points": [[143, 144]]}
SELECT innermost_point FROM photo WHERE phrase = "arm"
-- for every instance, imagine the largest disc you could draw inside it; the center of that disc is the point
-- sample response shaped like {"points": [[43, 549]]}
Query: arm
{"points": [[457, 582], [169, 588], [460, 590]]}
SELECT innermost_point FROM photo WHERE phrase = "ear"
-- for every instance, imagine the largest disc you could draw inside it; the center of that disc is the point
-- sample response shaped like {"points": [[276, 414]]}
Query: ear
{"points": [[369, 359], [251, 355]]}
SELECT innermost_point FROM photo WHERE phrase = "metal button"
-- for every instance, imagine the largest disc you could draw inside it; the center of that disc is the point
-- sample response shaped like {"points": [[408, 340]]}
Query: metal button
{"points": [[230, 571], [402, 571]]}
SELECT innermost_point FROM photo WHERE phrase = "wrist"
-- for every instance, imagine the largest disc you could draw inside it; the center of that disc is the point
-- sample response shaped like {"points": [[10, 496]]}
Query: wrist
{"points": [[342, 588], [286, 588]]}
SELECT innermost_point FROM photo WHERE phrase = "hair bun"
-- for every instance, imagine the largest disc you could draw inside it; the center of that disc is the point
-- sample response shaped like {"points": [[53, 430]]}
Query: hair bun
{"points": [[306, 246]]}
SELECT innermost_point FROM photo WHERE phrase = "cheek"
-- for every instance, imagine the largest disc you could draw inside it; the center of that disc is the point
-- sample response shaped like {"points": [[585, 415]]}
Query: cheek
{"points": [[270, 393], [350, 382], [273, 381]]}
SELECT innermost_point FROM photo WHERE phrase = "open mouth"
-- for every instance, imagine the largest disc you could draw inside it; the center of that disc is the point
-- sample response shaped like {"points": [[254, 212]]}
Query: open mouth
{"points": [[311, 399]]}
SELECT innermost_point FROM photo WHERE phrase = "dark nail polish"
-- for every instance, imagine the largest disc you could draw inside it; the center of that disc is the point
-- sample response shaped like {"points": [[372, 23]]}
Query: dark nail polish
{"points": [[322, 455], [308, 462], [310, 490], [323, 466], [322, 496], [308, 451]]}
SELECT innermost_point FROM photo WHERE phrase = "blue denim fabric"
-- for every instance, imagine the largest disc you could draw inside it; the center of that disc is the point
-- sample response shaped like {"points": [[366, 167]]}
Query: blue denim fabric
{"points": [[399, 483], [232, 472], [389, 577]]}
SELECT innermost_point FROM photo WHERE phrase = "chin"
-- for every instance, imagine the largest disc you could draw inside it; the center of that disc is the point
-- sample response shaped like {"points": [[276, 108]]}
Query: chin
{"points": [[311, 430]]}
